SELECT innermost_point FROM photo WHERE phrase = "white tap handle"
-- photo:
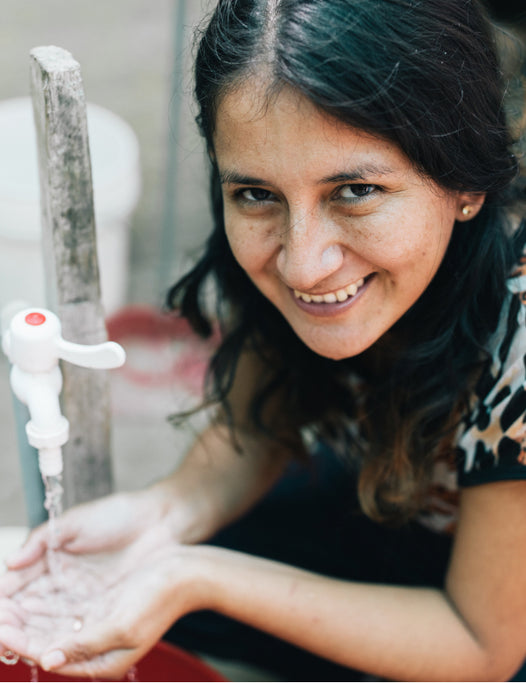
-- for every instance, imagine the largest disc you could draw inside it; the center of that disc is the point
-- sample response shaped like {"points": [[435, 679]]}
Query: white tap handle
{"points": [[30, 341], [34, 343], [100, 356]]}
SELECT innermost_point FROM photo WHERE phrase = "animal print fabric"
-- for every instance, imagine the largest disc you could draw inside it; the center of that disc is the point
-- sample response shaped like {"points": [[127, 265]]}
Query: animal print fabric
{"points": [[491, 440], [492, 443]]}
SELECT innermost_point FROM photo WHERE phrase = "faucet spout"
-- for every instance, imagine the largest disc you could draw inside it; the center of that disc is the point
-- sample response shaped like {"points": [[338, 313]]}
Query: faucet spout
{"points": [[47, 429]]}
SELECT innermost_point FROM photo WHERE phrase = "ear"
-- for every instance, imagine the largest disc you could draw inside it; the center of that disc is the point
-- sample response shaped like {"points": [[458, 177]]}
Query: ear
{"points": [[468, 205]]}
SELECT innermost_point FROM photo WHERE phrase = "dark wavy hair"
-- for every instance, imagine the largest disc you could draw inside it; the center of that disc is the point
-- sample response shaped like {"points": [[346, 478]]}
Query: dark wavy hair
{"points": [[425, 75]]}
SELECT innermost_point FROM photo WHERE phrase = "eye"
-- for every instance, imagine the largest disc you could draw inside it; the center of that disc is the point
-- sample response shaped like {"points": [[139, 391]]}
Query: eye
{"points": [[254, 194], [356, 191]]}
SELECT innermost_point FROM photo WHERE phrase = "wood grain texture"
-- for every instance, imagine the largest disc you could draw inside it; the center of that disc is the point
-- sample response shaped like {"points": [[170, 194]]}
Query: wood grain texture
{"points": [[70, 263]]}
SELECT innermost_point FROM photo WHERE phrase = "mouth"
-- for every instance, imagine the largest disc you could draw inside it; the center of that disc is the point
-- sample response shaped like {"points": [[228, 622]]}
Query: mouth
{"points": [[338, 296]]}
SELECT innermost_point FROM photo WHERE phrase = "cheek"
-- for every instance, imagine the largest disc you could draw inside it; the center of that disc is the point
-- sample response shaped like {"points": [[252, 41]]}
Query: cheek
{"points": [[388, 242], [245, 247], [253, 246], [411, 238]]}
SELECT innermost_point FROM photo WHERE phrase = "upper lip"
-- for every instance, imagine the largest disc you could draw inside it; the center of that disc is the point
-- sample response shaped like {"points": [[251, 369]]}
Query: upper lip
{"points": [[340, 294]]}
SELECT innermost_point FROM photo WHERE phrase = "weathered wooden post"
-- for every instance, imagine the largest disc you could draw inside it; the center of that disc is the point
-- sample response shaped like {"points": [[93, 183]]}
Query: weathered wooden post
{"points": [[70, 263]]}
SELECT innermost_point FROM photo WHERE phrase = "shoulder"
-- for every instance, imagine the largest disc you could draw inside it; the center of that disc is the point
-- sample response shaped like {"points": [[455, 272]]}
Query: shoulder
{"points": [[492, 439]]}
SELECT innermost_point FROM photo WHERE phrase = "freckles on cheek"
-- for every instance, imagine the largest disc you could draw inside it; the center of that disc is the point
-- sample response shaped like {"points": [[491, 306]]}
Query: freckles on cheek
{"points": [[245, 250], [237, 251]]}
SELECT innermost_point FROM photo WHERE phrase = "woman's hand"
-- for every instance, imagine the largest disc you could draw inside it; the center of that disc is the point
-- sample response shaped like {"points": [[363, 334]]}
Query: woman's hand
{"points": [[104, 525], [213, 486], [95, 615]]}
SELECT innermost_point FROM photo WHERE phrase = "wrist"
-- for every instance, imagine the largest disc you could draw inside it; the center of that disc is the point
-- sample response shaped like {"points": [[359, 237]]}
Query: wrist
{"points": [[182, 506], [191, 577], [214, 575]]}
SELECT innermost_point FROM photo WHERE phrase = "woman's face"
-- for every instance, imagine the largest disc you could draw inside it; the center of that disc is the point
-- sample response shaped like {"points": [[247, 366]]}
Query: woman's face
{"points": [[333, 225]]}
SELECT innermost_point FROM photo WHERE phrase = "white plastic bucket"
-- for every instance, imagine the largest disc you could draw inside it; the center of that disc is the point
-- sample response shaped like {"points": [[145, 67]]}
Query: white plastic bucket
{"points": [[114, 154]]}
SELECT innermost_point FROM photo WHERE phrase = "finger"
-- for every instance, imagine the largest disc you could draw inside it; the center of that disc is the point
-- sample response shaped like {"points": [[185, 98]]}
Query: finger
{"points": [[35, 606], [13, 581], [97, 650], [14, 639], [92, 641], [108, 666], [34, 548], [11, 614], [39, 540]]}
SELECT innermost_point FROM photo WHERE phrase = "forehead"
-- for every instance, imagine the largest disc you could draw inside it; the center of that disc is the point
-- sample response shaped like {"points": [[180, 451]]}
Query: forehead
{"points": [[254, 104], [286, 128]]}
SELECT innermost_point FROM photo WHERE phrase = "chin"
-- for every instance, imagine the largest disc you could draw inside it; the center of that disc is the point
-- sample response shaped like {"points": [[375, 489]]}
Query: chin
{"points": [[338, 356], [332, 353], [331, 349]]}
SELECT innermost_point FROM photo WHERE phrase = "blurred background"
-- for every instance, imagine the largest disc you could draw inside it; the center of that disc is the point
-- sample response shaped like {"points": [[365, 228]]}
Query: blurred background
{"points": [[135, 57], [150, 191]]}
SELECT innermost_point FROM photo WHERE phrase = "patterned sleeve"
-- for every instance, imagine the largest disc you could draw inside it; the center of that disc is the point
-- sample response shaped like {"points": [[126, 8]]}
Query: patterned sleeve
{"points": [[492, 443]]}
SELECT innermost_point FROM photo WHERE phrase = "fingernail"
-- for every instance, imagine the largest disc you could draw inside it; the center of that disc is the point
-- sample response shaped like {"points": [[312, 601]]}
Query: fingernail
{"points": [[53, 659]]}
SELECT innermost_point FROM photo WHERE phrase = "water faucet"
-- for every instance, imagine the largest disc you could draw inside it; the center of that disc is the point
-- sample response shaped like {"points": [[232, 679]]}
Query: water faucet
{"points": [[34, 345]]}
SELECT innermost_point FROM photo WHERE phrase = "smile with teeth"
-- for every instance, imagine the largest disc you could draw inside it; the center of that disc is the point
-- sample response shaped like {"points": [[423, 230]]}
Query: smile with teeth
{"points": [[338, 296]]}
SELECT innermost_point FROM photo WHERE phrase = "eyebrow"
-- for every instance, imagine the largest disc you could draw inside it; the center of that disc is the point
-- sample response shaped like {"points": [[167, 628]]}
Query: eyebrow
{"points": [[363, 173], [231, 177]]}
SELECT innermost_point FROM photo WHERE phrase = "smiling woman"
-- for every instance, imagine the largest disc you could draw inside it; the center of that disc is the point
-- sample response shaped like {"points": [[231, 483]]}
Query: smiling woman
{"points": [[362, 486], [326, 250]]}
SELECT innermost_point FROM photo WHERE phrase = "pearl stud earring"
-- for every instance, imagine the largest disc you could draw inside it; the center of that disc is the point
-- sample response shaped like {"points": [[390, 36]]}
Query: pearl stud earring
{"points": [[466, 210]]}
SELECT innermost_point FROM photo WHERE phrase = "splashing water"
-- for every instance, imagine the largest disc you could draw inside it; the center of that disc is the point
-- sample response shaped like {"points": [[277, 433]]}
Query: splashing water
{"points": [[69, 599], [132, 675], [53, 505], [33, 669], [9, 657]]}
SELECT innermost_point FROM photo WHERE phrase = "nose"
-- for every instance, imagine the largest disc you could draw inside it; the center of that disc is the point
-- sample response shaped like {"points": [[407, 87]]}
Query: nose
{"points": [[309, 252]]}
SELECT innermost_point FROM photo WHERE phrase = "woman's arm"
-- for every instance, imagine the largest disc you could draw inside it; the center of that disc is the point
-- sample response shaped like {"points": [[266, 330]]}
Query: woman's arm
{"points": [[216, 482], [221, 479], [473, 630]]}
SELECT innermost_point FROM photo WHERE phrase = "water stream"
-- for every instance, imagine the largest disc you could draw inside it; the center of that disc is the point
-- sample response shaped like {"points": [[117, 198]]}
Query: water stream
{"points": [[69, 599], [53, 505]]}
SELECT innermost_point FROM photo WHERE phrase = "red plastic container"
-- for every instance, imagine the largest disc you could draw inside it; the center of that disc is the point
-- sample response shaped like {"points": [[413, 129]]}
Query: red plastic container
{"points": [[163, 663], [180, 355]]}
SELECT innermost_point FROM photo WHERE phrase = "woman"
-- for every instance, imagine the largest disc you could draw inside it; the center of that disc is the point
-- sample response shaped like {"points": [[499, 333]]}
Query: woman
{"points": [[366, 252]]}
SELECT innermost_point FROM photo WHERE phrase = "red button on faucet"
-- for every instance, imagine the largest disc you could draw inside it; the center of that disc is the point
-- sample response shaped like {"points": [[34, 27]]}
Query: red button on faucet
{"points": [[35, 318]]}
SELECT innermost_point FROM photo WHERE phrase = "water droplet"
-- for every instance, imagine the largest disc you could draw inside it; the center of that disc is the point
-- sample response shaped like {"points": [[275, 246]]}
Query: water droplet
{"points": [[132, 675], [9, 657]]}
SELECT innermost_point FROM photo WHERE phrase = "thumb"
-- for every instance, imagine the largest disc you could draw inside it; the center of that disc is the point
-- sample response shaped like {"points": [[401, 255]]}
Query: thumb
{"points": [[33, 548], [38, 541], [99, 651], [53, 660]]}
